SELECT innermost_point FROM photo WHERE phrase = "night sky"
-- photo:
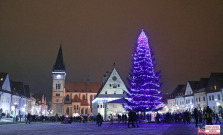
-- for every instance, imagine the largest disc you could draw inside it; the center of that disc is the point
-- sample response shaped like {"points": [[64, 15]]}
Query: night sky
{"points": [[186, 37]]}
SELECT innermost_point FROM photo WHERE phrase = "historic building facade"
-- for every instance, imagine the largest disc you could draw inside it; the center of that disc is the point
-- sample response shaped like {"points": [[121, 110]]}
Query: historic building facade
{"points": [[71, 98], [109, 99]]}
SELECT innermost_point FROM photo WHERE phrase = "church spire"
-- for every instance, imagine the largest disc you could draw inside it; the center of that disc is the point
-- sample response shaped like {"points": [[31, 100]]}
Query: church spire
{"points": [[59, 65]]}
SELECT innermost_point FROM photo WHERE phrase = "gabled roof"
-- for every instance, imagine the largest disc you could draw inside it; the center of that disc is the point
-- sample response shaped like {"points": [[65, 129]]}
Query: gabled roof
{"points": [[216, 79], [181, 92], [176, 90], [26, 89], [2, 78], [59, 64], [82, 87], [193, 84], [107, 78], [18, 87]]}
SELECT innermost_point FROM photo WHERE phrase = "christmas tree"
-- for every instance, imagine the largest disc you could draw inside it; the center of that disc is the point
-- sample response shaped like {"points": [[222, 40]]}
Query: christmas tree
{"points": [[144, 94]]}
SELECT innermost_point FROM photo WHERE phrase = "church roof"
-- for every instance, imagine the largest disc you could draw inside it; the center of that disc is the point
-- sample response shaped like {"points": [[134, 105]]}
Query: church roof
{"points": [[2, 78], [59, 65], [18, 87], [82, 87]]}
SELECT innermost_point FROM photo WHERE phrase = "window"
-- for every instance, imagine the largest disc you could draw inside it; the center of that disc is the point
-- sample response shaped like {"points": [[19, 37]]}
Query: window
{"points": [[199, 99], [77, 107], [219, 97], [57, 94], [105, 92], [58, 86], [83, 97], [215, 87], [196, 100], [110, 85], [123, 92], [212, 97], [98, 106], [209, 98], [57, 100], [101, 106], [203, 98], [114, 92], [118, 85], [7, 100], [74, 107], [67, 98]]}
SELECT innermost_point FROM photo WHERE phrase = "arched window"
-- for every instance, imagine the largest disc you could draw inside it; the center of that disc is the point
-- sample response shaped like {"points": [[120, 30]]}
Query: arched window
{"points": [[83, 97], [77, 107], [67, 98], [74, 107], [86, 111], [67, 111], [82, 111]]}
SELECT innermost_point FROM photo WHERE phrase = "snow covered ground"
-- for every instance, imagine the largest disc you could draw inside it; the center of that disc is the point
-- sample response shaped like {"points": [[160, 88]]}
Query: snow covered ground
{"points": [[90, 128]]}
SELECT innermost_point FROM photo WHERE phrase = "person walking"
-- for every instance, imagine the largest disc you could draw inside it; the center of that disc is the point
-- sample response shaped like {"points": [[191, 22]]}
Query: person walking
{"points": [[28, 118], [98, 119], [196, 116], [131, 118], [111, 118], [217, 118], [135, 118], [209, 116]]}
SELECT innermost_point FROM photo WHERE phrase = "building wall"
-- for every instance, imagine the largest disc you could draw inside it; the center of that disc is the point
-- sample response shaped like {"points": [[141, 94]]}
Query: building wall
{"points": [[215, 100], [58, 94], [189, 103], [200, 100], [171, 104], [180, 104]]}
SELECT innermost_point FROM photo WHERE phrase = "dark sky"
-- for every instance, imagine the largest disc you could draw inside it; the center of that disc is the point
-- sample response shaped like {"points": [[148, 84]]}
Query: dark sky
{"points": [[186, 36]]}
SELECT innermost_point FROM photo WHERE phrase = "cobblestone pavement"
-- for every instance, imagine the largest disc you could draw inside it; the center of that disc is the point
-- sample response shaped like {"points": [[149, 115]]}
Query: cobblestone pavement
{"points": [[91, 129]]}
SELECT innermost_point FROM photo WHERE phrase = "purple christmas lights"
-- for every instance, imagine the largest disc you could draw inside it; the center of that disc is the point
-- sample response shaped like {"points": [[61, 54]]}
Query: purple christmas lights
{"points": [[144, 94]]}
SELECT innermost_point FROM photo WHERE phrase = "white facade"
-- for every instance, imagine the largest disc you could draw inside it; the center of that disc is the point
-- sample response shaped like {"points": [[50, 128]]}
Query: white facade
{"points": [[189, 98], [200, 100], [58, 93], [113, 89], [171, 104], [5, 103], [180, 103], [215, 100]]}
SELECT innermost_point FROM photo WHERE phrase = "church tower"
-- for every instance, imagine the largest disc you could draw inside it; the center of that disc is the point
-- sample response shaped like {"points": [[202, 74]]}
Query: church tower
{"points": [[58, 74]]}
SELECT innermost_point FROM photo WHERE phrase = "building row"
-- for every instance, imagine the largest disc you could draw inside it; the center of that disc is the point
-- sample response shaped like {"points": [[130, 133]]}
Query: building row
{"points": [[16, 99], [198, 94]]}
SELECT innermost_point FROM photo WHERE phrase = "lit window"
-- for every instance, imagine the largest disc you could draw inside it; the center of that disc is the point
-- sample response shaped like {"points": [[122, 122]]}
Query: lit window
{"points": [[215, 87]]}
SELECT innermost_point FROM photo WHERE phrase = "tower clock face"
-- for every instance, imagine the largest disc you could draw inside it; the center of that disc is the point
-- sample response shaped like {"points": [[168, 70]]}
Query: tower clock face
{"points": [[114, 78], [58, 76]]}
